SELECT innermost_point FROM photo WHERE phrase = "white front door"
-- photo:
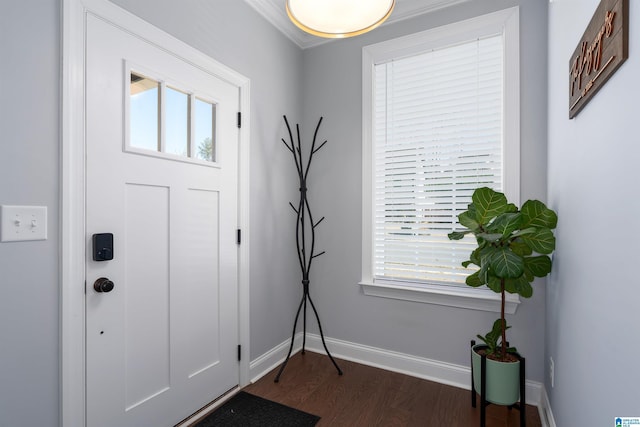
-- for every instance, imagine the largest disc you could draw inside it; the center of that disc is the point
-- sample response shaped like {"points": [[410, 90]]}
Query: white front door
{"points": [[163, 342]]}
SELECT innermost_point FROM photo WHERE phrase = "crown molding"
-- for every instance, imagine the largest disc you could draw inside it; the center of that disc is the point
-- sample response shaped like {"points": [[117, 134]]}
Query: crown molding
{"points": [[274, 12], [409, 8]]}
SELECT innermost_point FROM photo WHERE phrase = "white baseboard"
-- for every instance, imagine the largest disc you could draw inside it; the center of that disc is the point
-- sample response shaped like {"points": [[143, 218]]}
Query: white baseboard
{"points": [[441, 372], [433, 370], [274, 357], [546, 416]]}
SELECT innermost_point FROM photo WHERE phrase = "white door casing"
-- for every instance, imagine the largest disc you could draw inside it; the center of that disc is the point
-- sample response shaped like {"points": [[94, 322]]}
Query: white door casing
{"points": [[75, 238]]}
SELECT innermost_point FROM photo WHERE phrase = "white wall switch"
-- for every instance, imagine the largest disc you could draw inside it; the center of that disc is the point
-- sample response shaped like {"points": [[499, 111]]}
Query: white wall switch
{"points": [[19, 223]]}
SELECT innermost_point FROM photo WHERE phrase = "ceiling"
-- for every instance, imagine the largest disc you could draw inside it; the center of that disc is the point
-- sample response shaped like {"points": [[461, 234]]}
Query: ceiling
{"points": [[274, 12]]}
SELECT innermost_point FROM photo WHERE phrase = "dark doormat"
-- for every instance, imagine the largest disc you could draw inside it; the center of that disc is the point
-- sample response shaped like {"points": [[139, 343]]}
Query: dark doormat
{"points": [[246, 410]]}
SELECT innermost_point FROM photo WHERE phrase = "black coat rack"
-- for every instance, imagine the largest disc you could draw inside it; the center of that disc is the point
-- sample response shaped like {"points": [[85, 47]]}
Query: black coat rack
{"points": [[306, 250]]}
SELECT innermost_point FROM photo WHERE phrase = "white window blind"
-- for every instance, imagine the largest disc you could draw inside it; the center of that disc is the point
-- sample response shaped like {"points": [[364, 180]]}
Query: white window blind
{"points": [[438, 135]]}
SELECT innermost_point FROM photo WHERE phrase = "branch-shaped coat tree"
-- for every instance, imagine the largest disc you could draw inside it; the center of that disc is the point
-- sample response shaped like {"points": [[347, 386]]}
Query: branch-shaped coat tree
{"points": [[305, 243]]}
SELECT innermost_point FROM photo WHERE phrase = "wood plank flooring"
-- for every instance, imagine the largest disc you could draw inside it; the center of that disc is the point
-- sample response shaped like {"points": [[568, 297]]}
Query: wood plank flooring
{"points": [[366, 396]]}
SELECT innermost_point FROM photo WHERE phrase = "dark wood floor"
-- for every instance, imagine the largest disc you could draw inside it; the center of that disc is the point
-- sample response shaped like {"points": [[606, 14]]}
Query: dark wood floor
{"points": [[366, 396]]}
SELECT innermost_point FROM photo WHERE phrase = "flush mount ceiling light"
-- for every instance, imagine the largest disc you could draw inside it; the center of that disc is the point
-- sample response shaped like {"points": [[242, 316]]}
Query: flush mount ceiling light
{"points": [[338, 18]]}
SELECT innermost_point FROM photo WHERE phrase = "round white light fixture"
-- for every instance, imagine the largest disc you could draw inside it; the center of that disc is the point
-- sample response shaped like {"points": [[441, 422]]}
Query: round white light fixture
{"points": [[338, 18]]}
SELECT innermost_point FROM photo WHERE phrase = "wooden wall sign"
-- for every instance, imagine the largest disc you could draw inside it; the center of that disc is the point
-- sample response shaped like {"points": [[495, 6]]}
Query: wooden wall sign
{"points": [[604, 46]]}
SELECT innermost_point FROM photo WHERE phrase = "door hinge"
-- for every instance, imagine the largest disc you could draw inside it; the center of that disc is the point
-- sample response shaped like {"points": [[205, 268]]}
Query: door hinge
{"points": [[239, 352], [239, 119], [238, 236]]}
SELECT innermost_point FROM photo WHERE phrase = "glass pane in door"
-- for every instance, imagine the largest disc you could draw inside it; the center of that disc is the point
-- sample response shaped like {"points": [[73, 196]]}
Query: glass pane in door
{"points": [[176, 115], [204, 140], [144, 112]]}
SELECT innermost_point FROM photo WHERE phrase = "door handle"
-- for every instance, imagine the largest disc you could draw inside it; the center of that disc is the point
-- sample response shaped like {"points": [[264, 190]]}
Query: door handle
{"points": [[103, 285]]}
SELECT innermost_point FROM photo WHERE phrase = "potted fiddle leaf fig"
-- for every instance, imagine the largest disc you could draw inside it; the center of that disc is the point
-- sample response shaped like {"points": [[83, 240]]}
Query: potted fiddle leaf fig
{"points": [[513, 248]]}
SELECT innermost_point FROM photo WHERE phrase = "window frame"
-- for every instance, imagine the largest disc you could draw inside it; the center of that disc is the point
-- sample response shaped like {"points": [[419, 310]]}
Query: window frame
{"points": [[505, 22], [164, 83]]}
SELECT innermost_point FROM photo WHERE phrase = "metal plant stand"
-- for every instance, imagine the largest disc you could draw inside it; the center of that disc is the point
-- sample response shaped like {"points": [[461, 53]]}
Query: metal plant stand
{"points": [[306, 250]]}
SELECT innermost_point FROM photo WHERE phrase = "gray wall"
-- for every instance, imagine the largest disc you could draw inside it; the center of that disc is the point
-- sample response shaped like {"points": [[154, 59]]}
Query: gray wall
{"points": [[593, 294], [29, 150], [333, 89], [30, 37], [592, 165]]}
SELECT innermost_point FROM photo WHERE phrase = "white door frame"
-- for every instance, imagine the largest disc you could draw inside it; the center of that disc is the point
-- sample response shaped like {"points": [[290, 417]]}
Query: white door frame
{"points": [[72, 189]]}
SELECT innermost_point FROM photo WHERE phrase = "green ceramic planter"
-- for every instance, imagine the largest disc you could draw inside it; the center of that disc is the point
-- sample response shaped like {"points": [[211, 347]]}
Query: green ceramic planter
{"points": [[503, 379]]}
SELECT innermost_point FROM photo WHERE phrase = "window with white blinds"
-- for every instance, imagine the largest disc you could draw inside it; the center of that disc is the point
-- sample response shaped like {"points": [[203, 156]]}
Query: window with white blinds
{"points": [[438, 136], [441, 117]]}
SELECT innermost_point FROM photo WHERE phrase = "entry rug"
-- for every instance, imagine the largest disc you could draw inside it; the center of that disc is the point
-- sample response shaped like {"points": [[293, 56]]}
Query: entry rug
{"points": [[246, 410]]}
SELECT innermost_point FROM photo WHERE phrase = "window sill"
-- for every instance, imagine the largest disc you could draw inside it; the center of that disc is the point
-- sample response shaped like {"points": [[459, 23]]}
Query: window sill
{"points": [[481, 299]]}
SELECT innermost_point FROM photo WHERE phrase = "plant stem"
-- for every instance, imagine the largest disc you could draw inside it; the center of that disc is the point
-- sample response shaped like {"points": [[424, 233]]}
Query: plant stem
{"points": [[503, 355]]}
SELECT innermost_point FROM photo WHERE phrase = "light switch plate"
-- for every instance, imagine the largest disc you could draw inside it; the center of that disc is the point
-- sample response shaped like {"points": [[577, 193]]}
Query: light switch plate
{"points": [[18, 223]]}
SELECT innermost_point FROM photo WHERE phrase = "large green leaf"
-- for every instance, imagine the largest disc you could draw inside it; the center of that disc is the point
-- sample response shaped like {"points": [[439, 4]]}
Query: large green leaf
{"points": [[524, 288], [510, 285], [528, 274], [536, 214], [491, 339], [542, 242], [520, 248], [466, 264], [518, 286], [475, 256], [506, 264], [473, 280], [506, 223], [457, 235], [485, 253], [482, 242], [468, 220], [494, 284], [483, 272], [490, 237], [488, 204], [525, 231], [539, 266], [471, 208]]}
